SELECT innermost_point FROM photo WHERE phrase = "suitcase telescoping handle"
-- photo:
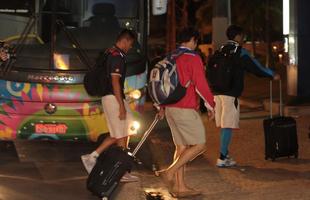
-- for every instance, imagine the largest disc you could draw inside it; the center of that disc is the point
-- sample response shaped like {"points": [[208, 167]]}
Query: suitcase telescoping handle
{"points": [[145, 135], [281, 100]]}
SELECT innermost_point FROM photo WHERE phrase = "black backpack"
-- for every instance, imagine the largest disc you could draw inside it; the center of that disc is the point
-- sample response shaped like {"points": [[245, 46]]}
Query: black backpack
{"points": [[96, 79], [222, 66]]}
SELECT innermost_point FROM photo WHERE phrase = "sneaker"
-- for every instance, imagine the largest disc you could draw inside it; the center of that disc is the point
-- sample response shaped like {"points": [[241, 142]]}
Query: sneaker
{"points": [[88, 162], [129, 178], [227, 162]]}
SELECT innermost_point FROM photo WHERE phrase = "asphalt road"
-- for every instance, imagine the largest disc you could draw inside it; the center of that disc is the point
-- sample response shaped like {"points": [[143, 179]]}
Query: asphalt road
{"points": [[52, 170]]}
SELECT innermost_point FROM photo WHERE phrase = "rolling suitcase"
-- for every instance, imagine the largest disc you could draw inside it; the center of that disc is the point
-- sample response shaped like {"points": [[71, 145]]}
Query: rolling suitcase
{"points": [[110, 167], [280, 133]]}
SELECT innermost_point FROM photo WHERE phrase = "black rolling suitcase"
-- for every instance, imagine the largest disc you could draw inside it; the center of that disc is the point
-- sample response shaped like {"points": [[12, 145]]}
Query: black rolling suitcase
{"points": [[111, 166], [280, 134]]}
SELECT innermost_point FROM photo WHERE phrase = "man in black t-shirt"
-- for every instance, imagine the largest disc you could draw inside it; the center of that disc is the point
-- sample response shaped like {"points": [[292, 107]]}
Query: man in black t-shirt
{"points": [[118, 114], [116, 65]]}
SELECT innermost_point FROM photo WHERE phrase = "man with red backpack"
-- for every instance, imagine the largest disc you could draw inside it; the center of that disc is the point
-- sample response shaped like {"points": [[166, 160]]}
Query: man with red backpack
{"points": [[183, 117]]}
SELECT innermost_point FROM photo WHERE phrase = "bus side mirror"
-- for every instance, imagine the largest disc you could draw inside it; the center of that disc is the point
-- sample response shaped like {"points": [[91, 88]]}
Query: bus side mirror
{"points": [[159, 7]]}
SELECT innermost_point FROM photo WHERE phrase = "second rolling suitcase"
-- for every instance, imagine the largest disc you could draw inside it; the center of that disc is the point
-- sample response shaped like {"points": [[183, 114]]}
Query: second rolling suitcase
{"points": [[280, 134], [111, 166]]}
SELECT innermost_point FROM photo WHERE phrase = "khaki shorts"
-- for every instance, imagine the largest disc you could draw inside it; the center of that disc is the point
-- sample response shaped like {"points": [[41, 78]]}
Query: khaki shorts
{"points": [[117, 128], [227, 111], [186, 126]]}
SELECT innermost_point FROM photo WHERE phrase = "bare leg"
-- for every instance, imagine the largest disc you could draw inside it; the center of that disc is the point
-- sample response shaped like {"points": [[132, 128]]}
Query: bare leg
{"points": [[123, 142], [187, 155], [105, 144], [179, 176]]}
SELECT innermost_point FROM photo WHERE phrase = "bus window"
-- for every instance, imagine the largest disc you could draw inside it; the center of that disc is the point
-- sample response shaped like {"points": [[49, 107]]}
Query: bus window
{"points": [[45, 82], [95, 28]]}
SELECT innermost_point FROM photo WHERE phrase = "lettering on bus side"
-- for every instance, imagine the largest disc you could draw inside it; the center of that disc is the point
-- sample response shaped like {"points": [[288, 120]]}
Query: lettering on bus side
{"points": [[51, 128]]}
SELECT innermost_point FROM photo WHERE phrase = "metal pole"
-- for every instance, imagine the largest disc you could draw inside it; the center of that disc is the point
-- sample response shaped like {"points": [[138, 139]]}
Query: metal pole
{"points": [[53, 34], [171, 27], [229, 11], [220, 21], [267, 34]]}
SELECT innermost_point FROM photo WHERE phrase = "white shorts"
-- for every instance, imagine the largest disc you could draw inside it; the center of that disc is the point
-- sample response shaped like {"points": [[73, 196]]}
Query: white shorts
{"points": [[117, 128], [227, 111]]}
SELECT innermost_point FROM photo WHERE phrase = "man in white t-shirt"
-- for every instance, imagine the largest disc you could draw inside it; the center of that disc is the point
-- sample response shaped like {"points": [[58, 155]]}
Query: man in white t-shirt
{"points": [[118, 114]]}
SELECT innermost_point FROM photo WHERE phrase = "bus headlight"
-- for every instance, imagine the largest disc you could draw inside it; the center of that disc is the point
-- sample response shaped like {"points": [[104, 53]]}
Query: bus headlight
{"points": [[135, 94], [135, 126]]}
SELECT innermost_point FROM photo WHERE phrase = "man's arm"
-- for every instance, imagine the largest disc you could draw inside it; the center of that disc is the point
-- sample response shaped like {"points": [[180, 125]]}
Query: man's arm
{"points": [[201, 84], [117, 90], [253, 66], [161, 112]]}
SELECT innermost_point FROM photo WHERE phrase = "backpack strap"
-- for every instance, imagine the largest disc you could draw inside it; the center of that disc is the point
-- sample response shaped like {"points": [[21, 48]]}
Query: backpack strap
{"points": [[177, 53], [188, 83], [114, 50], [235, 47], [182, 51]]}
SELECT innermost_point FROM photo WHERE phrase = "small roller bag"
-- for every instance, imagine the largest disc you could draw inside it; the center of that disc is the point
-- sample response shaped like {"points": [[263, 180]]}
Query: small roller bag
{"points": [[111, 166], [280, 134]]}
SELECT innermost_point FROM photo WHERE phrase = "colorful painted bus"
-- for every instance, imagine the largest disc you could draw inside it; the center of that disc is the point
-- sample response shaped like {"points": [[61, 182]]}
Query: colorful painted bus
{"points": [[41, 91]]}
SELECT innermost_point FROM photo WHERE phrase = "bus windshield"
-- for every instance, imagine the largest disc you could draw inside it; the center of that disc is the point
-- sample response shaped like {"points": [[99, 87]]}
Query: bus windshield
{"points": [[93, 24]]}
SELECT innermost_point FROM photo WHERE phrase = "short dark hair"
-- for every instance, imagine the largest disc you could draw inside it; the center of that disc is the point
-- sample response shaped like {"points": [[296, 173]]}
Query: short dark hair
{"points": [[128, 34], [233, 30], [187, 33]]}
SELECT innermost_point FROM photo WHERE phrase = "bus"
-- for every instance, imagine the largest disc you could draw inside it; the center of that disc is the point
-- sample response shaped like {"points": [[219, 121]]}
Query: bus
{"points": [[54, 42]]}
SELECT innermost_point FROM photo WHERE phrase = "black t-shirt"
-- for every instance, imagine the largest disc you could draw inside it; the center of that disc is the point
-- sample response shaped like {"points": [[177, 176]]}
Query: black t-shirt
{"points": [[116, 65]]}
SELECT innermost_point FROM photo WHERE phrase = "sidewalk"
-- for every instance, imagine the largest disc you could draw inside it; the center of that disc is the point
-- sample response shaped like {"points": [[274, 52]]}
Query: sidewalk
{"points": [[58, 173], [253, 178]]}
